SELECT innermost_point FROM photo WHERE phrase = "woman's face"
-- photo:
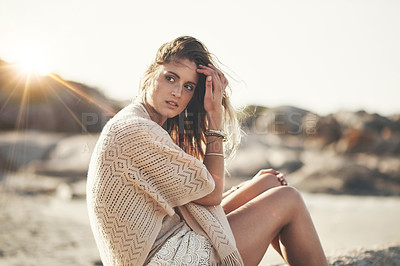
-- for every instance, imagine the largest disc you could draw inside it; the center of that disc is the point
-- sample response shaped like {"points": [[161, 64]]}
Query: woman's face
{"points": [[172, 89]]}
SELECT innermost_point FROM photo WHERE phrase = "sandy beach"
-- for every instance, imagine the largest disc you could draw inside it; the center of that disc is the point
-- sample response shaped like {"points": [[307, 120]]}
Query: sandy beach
{"points": [[46, 227]]}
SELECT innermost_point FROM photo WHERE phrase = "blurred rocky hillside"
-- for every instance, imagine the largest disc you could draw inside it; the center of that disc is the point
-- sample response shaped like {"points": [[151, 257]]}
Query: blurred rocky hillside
{"points": [[48, 128], [344, 152], [51, 104]]}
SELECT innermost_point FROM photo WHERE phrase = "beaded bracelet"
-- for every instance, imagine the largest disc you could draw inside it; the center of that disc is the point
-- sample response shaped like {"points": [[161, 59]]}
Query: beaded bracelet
{"points": [[217, 133]]}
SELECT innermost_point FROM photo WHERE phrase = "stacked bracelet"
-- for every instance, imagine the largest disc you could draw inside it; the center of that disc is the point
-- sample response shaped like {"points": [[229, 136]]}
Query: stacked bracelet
{"points": [[215, 154], [216, 133]]}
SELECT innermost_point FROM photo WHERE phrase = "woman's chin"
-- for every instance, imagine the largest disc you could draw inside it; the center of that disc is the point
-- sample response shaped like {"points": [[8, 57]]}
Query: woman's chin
{"points": [[173, 113]]}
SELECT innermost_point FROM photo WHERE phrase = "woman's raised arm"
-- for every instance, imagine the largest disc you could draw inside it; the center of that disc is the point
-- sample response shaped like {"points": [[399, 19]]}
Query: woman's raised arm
{"points": [[214, 156]]}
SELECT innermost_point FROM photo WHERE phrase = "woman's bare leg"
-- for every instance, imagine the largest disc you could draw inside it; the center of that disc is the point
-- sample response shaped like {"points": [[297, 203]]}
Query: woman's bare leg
{"points": [[264, 180], [277, 216], [261, 182]]}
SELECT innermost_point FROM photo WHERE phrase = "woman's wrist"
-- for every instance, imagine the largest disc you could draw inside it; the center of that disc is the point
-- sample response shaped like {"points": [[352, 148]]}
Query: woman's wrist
{"points": [[216, 133], [214, 120], [214, 144]]}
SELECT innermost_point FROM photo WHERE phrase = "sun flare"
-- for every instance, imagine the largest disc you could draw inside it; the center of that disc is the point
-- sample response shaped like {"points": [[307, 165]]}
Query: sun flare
{"points": [[32, 62]]}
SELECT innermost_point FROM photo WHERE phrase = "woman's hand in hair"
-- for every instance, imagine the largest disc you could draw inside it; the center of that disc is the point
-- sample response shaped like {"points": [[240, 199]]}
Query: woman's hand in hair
{"points": [[215, 88]]}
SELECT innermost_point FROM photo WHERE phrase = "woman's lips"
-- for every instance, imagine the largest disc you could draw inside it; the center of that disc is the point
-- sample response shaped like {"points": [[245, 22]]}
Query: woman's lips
{"points": [[172, 104]]}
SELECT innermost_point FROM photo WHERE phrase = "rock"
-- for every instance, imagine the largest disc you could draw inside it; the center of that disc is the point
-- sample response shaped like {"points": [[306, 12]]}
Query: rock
{"points": [[363, 121], [247, 166], [321, 131], [380, 256], [69, 158], [30, 184], [21, 148], [387, 256], [364, 132], [389, 166], [282, 120], [357, 141], [354, 154], [48, 154], [263, 152], [325, 172], [284, 159], [290, 166]]}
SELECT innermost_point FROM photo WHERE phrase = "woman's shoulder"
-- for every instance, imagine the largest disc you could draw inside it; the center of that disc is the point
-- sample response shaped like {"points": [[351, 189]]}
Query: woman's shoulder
{"points": [[133, 119]]}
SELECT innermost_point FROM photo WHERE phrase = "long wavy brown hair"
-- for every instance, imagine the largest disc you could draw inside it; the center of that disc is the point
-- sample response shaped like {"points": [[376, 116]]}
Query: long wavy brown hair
{"points": [[188, 129]]}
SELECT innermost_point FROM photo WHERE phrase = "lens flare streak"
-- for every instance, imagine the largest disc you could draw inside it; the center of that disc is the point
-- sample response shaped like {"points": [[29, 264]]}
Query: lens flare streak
{"points": [[80, 93], [70, 111], [20, 87]]}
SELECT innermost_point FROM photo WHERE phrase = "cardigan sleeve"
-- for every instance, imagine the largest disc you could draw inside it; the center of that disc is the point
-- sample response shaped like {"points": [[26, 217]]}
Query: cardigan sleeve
{"points": [[158, 166]]}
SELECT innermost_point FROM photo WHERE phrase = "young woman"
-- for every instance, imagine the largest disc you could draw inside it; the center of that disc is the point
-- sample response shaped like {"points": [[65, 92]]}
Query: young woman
{"points": [[156, 178]]}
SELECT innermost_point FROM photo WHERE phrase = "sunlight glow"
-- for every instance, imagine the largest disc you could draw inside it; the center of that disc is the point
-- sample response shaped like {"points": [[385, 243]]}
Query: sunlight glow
{"points": [[32, 61]]}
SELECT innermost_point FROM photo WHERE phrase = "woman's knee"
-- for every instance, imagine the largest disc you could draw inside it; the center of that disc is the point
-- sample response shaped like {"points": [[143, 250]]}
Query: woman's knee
{"points": [[282, 204], [290, 197], [290, 192]]}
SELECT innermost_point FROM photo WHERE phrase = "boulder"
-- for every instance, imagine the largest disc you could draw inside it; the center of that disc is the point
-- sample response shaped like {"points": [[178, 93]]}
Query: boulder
{"points": [[321, 131], [282, 120], [358, 141], [385, 255], [18, 149], [365, 132], [329, 173], [248, 162], [69, 158], [262, 152]]}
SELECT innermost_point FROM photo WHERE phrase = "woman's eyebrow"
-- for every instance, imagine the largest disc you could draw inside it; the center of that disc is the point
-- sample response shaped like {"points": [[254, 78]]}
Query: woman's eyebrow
{"points": [[173, 73], [191, 82]]}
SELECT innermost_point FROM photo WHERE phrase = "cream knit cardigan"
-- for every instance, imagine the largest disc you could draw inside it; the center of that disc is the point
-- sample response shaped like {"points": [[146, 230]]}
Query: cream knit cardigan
{"points": [[136, 176]]}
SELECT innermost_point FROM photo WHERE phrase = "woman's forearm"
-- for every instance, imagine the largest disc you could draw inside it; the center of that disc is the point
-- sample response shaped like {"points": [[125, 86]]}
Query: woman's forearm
{"points": [[214, 161], [214, 156]]}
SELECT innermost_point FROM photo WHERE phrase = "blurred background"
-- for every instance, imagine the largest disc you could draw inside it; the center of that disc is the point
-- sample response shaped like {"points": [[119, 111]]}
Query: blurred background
{"points": [[318, 55], [316, 84]]}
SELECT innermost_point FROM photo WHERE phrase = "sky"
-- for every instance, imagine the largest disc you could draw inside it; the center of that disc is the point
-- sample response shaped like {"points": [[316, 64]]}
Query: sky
{"points": [[322, 56]]}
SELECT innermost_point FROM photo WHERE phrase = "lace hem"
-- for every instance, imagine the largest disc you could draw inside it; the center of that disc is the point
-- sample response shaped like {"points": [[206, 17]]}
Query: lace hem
{"points": [[184, 248]]}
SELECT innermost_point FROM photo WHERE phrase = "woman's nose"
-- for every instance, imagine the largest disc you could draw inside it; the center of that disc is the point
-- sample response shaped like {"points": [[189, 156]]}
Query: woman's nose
{"points": [[177, 91]]}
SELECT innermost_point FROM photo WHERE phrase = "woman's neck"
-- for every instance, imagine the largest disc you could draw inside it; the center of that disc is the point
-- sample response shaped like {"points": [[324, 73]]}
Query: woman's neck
{"points": [[154, 115]]}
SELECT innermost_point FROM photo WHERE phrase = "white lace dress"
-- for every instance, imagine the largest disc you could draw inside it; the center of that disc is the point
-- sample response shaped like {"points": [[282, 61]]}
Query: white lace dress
{"points": [[183, 248]]}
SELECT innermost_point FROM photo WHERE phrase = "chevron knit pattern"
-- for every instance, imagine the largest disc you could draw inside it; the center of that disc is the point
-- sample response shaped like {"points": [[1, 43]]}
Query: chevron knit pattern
{"points": [[137, 175]]}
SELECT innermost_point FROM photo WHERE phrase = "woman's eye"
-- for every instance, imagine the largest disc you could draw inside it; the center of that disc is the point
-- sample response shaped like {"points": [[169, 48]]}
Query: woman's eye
{"points": [[189, 87], [170, 78]]}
